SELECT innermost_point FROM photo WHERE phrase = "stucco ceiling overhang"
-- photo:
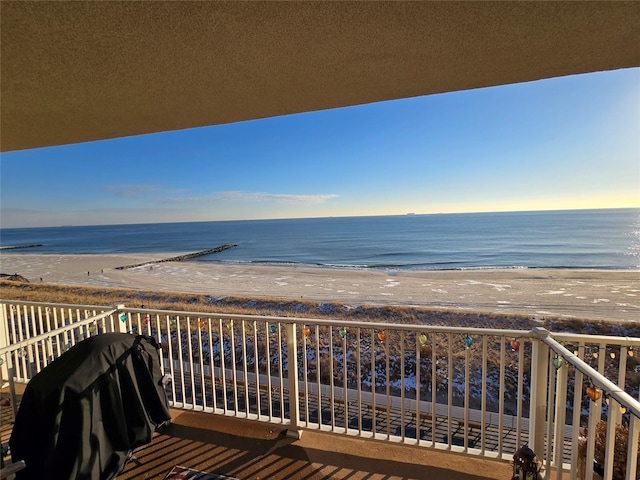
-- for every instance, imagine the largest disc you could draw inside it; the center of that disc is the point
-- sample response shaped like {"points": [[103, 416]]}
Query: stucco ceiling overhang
{"points": [[81, 71]]}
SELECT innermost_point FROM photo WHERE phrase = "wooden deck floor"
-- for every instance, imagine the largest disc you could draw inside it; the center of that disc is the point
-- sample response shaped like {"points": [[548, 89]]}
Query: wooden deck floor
{"points": [[252, 450]]}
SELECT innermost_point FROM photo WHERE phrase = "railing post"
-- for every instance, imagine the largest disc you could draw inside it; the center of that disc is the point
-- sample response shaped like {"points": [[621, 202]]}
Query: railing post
{"points": [[121, 326], [294, 430], [539, 380]]}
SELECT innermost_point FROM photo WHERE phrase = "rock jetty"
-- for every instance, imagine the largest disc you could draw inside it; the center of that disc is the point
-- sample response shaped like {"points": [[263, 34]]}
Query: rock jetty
{"points": [[12, 247], [180, 258]]}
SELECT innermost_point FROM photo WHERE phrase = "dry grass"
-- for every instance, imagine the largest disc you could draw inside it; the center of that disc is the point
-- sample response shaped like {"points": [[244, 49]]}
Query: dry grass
{"points": [[82, 295]]}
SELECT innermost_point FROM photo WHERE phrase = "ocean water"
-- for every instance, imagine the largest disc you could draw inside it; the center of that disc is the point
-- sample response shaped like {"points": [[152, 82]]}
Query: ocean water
{"points": [[595, 239]]}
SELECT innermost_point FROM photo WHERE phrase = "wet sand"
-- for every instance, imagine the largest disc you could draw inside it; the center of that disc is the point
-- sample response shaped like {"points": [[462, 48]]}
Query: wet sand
{"points": [[545, 293]]}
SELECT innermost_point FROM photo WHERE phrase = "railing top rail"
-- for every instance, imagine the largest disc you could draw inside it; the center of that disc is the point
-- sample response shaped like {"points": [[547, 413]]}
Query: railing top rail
{"points": [[591, 339], [339, 323], [52, 333], [560, 336], [57, 305], [599, 380]]}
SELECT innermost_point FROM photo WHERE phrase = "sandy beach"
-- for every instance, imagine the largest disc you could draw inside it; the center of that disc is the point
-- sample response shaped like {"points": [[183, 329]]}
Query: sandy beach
{"points": [[583, 294]]}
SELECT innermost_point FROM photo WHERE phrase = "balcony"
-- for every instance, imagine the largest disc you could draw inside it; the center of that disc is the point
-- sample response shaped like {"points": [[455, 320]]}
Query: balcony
{"points": [[245, 388]]}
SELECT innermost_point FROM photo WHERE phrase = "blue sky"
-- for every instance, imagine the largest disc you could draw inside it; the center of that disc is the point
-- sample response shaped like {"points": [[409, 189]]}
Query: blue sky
{"points": [[563, 143]]}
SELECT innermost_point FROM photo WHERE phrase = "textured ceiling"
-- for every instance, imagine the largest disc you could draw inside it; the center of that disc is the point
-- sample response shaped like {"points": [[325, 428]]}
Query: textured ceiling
{"points": [[80, 71]]}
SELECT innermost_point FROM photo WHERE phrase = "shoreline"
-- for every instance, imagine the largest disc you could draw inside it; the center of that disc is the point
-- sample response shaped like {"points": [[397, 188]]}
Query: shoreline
{"points": [[605, 295]]}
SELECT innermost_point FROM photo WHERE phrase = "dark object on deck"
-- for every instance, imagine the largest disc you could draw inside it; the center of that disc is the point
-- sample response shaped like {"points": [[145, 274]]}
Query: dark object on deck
{"points": [[526, 465], [87, 411]]}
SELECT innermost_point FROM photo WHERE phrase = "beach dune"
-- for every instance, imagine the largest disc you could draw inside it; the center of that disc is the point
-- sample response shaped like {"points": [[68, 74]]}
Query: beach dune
{"points": [[609, 295]]}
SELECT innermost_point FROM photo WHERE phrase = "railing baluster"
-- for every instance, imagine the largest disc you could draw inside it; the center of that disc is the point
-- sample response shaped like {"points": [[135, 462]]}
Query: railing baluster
{"points": [[594, 417], [332, 393], [203, 389], [483, 395], [42, 354], [577, 410], [551, 408], [212, 364], [418, 418], [38, 348], [503, 366], [450, 391], [180, 360], [560, 417], [613, 416], [305, 376], [632, 449], [280, 372], [387, 387], [21, 337], [256, 367], [34, 333], [171, 360], [402, 383], [318, 380], [223, 369], [192, 379], [294, 430], [465, 441], [245, 369], [59, 339], [359, 379]]}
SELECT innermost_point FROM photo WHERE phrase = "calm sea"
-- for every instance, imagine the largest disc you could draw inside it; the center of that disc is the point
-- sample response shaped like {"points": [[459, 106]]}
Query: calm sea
{"points": [[600, 239]]}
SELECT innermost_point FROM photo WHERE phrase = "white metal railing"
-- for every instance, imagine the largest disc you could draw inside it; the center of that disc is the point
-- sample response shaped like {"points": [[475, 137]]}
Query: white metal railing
{"points": [[478, 391]]}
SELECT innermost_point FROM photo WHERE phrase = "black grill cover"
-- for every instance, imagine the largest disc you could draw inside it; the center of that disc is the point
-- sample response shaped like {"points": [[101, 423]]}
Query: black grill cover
{"points": [[83, 414]]}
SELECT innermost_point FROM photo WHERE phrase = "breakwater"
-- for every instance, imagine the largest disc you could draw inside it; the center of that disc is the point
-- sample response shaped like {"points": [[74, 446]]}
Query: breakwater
{"points": [[13, 247], [180, 258]]}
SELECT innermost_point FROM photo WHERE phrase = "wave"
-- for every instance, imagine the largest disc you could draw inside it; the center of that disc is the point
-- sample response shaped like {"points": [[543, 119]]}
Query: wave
{"points": [[411, 267]]}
